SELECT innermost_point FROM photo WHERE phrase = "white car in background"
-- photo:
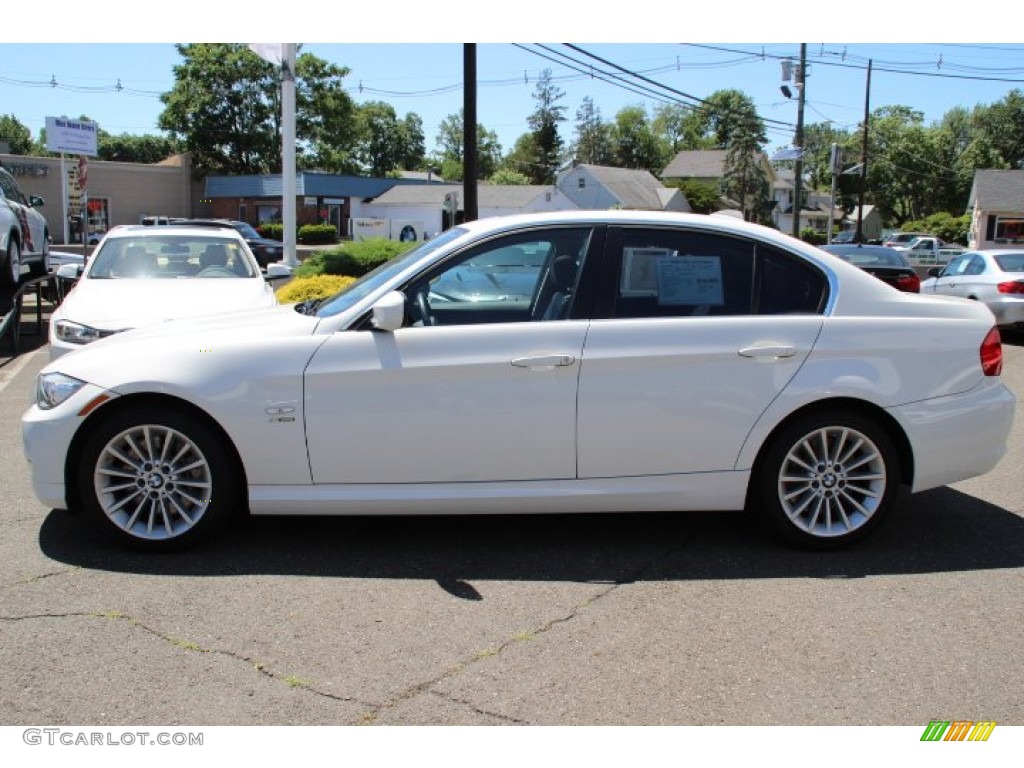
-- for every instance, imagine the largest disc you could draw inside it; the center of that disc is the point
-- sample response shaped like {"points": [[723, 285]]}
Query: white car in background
{"points": [[24, 233], [620, 361], [993, 277], [142, 276]]}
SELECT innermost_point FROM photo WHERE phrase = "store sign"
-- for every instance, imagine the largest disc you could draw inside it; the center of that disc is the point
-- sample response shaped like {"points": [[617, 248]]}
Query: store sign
{"points": [[78, 137]]}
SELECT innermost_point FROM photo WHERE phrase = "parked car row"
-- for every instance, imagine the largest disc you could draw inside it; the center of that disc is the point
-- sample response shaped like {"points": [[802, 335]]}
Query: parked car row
{"points": [[566, 362], [993, 277]]}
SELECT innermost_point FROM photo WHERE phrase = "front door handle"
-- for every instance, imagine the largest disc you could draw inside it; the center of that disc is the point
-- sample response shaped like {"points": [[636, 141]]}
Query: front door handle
{"points": [[543, 362], [773, 351]]}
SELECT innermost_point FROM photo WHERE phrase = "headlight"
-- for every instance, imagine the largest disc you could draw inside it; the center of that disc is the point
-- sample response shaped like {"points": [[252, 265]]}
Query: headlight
{"points": [[74, 333], [52, 389]]}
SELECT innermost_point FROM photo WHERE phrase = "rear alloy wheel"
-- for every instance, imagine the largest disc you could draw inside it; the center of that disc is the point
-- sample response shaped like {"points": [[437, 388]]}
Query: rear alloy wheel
{"points": [[42, 266], [11, 273], [157, 480], [828, 480]]}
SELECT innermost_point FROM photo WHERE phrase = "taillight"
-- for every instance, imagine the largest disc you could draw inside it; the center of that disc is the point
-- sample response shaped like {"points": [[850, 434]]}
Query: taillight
{"points": [[909, 283], [992, 354], [1014, 286]]}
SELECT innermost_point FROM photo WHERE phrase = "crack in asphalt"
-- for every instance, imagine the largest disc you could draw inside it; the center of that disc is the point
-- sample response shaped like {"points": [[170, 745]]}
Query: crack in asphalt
{"points": [[427, 686], [187, 645], [38, 577]]}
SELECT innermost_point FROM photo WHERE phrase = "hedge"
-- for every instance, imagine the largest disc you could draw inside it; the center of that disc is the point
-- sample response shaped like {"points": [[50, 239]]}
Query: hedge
{"points": [[308, 234], [318, 287], [353, 259]]}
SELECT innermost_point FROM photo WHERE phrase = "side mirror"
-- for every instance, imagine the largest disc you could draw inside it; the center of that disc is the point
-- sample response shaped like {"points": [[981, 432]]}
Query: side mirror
{"points": [[70, 271], [277, 271], [934, 272], [35, 201], [389, 312]]}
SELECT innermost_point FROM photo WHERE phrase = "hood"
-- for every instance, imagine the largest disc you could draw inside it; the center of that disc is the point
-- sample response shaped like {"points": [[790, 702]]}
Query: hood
{"points": [[171, 346], [125, 303]]}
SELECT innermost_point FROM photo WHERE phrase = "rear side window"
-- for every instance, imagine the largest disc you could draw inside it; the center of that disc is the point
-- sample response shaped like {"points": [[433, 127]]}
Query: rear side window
{"points": [[686, 273]]}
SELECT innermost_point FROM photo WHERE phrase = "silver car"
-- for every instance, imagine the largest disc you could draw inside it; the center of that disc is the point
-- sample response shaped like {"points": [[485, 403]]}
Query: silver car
{"points": [[995, 277]]}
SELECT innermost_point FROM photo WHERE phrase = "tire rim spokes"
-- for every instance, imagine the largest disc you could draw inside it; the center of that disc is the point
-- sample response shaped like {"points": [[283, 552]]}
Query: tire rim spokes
{"points": [[832, 481], [153, 482]]}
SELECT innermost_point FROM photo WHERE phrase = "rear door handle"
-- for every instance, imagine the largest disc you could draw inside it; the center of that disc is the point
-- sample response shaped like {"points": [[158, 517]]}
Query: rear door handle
{"points": [[543, 362], [773, 351]]}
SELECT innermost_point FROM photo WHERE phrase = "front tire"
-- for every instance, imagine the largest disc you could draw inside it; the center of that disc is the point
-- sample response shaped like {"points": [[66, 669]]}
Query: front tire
{"points": [[10, 275], [157, 480], [827, 480]]}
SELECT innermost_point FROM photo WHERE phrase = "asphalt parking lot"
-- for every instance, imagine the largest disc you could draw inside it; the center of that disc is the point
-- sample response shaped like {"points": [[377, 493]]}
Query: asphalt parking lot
{"points": [[696, 619]]}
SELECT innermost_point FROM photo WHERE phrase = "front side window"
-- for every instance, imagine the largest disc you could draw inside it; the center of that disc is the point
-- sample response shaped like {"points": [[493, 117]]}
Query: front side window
{"points": [[528, 276]]}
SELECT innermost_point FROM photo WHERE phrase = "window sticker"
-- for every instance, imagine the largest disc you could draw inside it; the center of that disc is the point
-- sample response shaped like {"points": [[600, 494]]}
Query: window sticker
{"points": [[690, 280], [640, 270]]}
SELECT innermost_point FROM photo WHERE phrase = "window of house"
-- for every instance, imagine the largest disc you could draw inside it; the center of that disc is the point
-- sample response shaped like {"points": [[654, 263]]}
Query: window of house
{"points": [[1009, 229]]}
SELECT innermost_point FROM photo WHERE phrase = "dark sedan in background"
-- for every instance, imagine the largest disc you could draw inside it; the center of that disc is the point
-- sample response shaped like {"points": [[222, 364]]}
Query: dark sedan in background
{"points": [[264, 249], [887, 265]]}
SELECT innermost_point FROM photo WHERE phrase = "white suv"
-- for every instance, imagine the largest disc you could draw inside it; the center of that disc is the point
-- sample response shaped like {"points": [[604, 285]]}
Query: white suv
{"points": [[24, 233]]}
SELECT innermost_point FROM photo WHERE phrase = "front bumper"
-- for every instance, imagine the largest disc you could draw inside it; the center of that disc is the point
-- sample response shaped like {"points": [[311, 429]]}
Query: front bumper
{"points": [[46, 437]]}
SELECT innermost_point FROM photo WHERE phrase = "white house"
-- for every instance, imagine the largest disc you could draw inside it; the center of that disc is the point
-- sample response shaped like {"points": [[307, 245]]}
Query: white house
{"points": [[598, 187], [996, 206], [426, 203]]}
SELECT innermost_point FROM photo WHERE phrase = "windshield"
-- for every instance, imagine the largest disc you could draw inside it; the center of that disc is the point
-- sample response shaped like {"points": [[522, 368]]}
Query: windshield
{"points": [[247, 231], [170, 256], [371, 281]]}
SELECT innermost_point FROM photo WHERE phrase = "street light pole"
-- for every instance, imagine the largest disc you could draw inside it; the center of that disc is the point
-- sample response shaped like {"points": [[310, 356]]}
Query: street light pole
{"points": [[864, 158]]}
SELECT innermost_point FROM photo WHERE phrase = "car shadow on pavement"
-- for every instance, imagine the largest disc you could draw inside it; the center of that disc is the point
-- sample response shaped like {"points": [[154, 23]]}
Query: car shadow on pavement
{"points": [[938, 531]]}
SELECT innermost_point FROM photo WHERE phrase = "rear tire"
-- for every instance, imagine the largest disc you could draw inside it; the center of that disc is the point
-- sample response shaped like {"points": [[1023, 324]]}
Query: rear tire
{"points": [[42, 266], [157, 479], [828, 479]]}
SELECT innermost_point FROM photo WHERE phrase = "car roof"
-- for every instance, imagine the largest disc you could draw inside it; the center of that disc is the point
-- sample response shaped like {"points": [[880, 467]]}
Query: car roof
{"points": [[162, 230]]}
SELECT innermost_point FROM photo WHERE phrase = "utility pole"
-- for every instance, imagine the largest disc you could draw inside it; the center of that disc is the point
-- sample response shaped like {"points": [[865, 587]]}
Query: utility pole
{"points": [[864, 158], [469, 168], [801, 80]]}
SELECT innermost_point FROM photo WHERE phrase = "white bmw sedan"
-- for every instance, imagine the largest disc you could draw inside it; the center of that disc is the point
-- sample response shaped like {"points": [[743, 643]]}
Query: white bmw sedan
{"points": [[606, 361], [141, 276]]}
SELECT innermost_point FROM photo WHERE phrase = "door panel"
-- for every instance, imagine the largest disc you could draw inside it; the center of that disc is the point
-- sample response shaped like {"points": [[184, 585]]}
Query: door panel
{"points": [[672, 395], [445, 404]]}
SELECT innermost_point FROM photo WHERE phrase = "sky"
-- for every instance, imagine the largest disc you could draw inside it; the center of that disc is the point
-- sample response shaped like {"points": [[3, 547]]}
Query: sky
{"points": [[416, 64]]}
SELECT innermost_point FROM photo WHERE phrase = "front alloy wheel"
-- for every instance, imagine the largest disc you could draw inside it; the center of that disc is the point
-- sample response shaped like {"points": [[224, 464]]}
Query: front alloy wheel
{"points": [[157, 481], [11, 275], [827, 481]]}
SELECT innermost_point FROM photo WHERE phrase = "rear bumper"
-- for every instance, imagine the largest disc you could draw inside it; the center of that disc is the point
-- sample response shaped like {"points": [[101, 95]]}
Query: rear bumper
{"points": [[959, 436]]}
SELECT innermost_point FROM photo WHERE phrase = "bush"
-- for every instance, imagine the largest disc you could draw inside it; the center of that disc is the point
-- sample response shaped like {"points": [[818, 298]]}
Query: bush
{"points": [[318, 287], [813, 236], [945, 226], [353, 259], [317, 234], [272, 231]]}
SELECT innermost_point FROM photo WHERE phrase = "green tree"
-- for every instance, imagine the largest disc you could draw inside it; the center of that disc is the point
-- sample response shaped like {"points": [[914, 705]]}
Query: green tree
{"points": [[723, 113], [379, 148], [544, 127], [1002, 124], [634, 143], [225, 109], [900, 169], [412, 143], [507, 176], [17, 135], [745, 178], [593, 144], [451, 142], [702, 197], [130, 148], [680, 127]]}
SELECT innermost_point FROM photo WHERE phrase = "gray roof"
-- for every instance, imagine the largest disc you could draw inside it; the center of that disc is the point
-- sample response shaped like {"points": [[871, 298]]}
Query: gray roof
{"points": [[306, 183], [635, 189], [488, 195], [700, 164], [998, 191]]}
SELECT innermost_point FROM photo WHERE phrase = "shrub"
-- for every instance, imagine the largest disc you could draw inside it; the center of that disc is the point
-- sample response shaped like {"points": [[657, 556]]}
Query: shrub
{"points": [[812, 236], [272, 231], [318, 287], [353, 259], [317, 234]]}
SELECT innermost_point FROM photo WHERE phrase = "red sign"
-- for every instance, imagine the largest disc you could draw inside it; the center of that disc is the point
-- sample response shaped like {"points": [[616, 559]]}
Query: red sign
{"points": [[83, 171]]}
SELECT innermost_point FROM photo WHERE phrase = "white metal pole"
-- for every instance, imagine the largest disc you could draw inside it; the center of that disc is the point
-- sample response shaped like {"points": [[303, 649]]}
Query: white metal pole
{"points": [[64, 197], [288, 191]]}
